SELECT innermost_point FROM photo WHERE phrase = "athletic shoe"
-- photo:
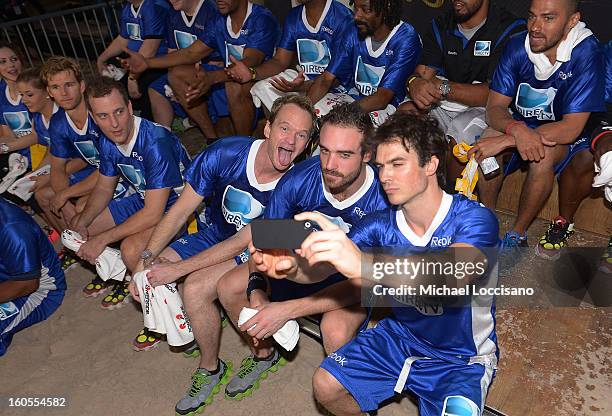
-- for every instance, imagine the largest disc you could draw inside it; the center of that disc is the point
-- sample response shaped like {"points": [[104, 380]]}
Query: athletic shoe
{"points": [[511, 250], [146, 340], [68, 259], [252, 371], [204, 386], [192, 351], [95, 288], [119, 296], [550, 244], [605, 262]]}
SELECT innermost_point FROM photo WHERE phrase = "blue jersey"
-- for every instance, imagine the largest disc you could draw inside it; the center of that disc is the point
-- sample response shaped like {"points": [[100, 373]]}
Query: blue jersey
{"points": [[41, 127], [148, 21], [314, 44], [154, 158], [577, 86], [608, 57], [464, 331], [225, 172], [260, 31], [25, 250], [70, 142], [14, 113], [183, 30], [361, 70], [302, 189]]}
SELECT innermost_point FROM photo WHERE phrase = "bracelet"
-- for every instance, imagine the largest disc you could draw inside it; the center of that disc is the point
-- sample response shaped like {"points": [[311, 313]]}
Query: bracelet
{"points": [[256, 281], [510, 125], [253, 73], [412, 78]]}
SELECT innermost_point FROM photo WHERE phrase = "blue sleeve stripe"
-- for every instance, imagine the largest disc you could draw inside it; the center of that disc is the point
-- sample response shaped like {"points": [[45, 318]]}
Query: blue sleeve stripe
{"points": [[508, 30], [437, 34]]}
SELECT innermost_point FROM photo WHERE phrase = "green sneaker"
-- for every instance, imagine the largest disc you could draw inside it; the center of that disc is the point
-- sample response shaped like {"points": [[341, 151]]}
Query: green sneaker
{"points": [[203, 387], [252, 371], [193, 351]]}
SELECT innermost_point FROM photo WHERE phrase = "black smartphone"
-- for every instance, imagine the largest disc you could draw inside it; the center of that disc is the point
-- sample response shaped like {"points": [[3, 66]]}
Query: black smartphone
{"points": [[284, 234]]}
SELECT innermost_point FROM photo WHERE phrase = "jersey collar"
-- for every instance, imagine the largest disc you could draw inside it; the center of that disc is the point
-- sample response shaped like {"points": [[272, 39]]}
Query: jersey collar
{"points": [[195, 13], [126, 149], [321, 19], [73, 126], [422, 241], [381, 50], [45, 121], [228, 22], [8, 96], [134, 11], [367, 183], [250, 170]]}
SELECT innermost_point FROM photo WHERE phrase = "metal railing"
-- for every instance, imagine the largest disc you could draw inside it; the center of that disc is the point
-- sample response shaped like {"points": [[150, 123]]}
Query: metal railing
{"points": [[81, 33]]}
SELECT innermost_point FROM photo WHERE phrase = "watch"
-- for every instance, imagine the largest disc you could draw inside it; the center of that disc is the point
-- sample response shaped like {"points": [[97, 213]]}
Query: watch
{"points": [[253, 73], [146, 255], [445, 88]]}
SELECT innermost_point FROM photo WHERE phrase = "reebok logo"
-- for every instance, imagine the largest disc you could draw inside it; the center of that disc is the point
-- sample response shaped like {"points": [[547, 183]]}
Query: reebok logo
{"points": [[337, 358], [441, 241]]}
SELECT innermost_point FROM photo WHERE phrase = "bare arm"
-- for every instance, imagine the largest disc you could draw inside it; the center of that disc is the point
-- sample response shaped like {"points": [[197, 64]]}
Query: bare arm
{"points": [[377, 101], [321, 86], [115, 48], [98, 200], [566, 130], [13, 289], [22, 142]]}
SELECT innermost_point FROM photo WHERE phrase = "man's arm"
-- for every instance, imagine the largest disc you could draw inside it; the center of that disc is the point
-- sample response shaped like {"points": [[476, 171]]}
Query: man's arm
{"points": [[13, 289], [98, 200], [566, 130], [279, 62], [377, 101], [251, 57], [114, 49], [59, 177], [149, 47], [137, 63], [321, 86], [22, 142]]}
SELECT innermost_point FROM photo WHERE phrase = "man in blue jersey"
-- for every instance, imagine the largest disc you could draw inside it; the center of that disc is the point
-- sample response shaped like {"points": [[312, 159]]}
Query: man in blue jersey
{"points": [[372, 61], [341, 186], [142, 30], [245, 31], [310, 33], [444, 355], [32, 283], [148, 157], [186, 23], [551, 79]]}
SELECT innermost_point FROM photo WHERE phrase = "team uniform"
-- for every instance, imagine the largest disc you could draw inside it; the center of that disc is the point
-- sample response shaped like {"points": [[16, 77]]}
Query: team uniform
{"points": [[574, 86], [15, 115], [146, 22], [446, 356], [182, 31], [25, 254], [154, 158], [260, 30], [362, 70], [313, 46], [225, 172], [302, 189]]}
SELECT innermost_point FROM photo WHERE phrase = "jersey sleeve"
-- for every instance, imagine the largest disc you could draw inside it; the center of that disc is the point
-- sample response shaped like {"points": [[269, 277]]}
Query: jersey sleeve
{"points": [[397, 73], [162, 164], [282, 203], [264, 34], [211, 32], [108, 164], [122, 25], [169, 33], [288, 39], [585, 94], [205, 170], [479, 228], [61, 146], [432, 48], [341, 63], [505, 78], [154, 22], [20, 251]]}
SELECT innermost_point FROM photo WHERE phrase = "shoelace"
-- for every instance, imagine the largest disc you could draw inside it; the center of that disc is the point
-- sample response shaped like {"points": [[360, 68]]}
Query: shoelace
{"points": [[246, 367], [198, 379]]}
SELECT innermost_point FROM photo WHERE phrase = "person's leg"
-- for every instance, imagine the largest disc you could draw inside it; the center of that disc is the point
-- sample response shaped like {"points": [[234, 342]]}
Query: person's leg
{"points": [[101, 223], [453, 166], [241, 107], [162, 110], [332, 395], [133, 245], [43, 197], [488, 189], [575, 183], [340, 326]]}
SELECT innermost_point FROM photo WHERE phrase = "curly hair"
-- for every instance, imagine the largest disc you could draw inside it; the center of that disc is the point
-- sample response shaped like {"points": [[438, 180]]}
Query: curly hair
{"points": [[352, 116], [389, 9], [57, 64]]}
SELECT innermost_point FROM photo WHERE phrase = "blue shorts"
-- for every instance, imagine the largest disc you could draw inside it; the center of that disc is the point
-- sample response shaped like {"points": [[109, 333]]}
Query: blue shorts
{"points": [[26, 311], [370, 365], [159, 86], [81, 175], [283, 289], [123, 208], [191, 244], [516, 162]]}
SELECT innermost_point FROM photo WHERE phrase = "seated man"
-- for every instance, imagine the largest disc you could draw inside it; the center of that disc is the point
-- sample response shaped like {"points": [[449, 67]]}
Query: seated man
{"points": [[142, 30], [340, 185], [372, 61], [460, 53], [551, 79], [445, 355], [148, 157], [32, 283], [310, 31], [244, 31], [239, 175]]}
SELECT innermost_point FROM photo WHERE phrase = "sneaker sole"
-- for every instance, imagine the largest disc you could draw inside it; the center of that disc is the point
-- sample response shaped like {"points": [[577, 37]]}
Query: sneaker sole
{"points": [[194, 354], [148, 348], [114, 306], [255, 385], [95, 294], [216, 389], [544, 253]]}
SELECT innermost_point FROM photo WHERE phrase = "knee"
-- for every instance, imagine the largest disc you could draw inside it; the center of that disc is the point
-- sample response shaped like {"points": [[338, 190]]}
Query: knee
{"points": [[335, 334], [42, 197], [581, 164], [197, 288], [129, 251], [229, 290], [325, 387]]}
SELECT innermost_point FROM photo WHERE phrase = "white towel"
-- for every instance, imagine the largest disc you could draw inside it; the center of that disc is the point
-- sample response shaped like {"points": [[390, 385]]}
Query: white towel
{"points": [[543, 68], [264, 93], [287, 337], [18, 165], [22, 186], [604, 175], [331, 99], [163, 311], [109, 264], [113, 72]]}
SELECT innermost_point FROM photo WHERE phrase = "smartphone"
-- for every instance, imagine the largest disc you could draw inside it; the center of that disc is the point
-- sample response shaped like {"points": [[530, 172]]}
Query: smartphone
{"points": [[281, 234]]}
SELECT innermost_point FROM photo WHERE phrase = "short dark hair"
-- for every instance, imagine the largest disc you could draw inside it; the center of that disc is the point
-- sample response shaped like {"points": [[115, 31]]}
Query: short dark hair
{"points": [[102, 86], [300, 100], [32, 76], [417, 133], [57, 64], [352, 116]]}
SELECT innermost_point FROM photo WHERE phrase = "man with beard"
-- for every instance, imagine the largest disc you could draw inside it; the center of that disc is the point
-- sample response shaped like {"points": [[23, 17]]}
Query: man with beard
{"points": [[372, 61], [460, 53], [551, 79], [340, 185]]}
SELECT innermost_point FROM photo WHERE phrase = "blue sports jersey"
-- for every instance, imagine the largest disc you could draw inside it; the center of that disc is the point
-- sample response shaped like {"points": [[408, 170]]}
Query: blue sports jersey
{"points": [[608, 57], [463, 331], [576, 86], [41, 127], [361, 70], [260, 31], [314, 44], [70, 142], [14, 113], [148, 21], [225, 172], [154, 158], [302, 189]]}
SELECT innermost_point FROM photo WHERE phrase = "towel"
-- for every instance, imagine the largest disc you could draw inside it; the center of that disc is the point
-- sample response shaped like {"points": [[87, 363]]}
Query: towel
{"points": [[466, 184], [21, 187], [264, 93], [604, 175], [543, 68], [287, 337], [108, 264], [18, 165], [163, 311], [113, 72]]}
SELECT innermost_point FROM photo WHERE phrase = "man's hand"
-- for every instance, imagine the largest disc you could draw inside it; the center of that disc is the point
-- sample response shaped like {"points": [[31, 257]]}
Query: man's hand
{"points": [[57, 203], [424, 93], [40, 182], [602, 146], [162, 271], [91, 249], [529, 143], [135, 62], [238, 71], [101, 66], [284, 85], [270, 318], [489, 146], [277, 264], [134, 291], [198, 88]]}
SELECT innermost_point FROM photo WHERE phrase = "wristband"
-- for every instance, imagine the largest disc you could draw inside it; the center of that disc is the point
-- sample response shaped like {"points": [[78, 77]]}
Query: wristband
{"points": [[253, 73], [256, 281], [599, 136], [412, 78], [510, 125]]}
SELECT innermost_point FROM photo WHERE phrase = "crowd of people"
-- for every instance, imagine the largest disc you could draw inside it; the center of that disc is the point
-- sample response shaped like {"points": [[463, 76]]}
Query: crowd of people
{"points": [[360, 138]]}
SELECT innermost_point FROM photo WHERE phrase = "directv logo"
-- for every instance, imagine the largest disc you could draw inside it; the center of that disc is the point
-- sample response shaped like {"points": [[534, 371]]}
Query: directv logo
{"points": [[367, 77], [233, 50], [133, 30], [482, 48], [134, 176], [18, 122], [88, 151], [313, 55], [534, 102], [459, 406], [239, 207], [183, 39]]}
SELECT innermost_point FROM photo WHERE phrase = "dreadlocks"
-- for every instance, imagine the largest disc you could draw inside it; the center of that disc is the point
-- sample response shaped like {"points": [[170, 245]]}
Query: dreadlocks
{"points": [[389, 9]]}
